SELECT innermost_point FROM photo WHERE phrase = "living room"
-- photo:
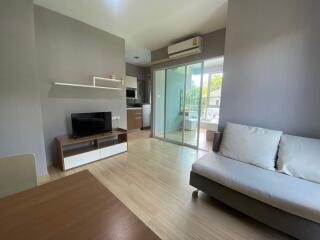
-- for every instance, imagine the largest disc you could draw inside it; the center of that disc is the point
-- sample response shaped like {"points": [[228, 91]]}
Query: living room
{"points": [[228, 147]]}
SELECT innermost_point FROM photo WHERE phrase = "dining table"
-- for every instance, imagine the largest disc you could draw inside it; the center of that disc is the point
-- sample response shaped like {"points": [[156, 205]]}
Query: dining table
{"points": [[77, 206]]}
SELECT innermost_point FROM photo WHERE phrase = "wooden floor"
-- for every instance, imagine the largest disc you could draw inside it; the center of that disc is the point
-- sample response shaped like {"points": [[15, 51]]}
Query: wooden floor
{"points": [[190, 137], [151, 179]]}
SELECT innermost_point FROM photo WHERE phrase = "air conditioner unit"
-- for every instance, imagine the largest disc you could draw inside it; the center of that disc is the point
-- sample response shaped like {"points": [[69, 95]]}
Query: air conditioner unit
{"points": [[185, 48]]}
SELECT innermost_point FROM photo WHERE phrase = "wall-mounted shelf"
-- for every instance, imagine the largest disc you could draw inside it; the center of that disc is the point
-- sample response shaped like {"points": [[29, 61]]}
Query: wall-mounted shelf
{"points": [[95, 78], [94, 83], [84, 86]]}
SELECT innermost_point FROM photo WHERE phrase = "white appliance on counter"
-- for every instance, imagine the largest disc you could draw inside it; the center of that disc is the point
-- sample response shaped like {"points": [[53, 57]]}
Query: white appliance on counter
{"points": [[146, 115]]}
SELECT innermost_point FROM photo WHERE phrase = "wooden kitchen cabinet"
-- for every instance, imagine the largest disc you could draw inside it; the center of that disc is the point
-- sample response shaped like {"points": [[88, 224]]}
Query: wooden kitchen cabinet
{"points": [[134, 118]]}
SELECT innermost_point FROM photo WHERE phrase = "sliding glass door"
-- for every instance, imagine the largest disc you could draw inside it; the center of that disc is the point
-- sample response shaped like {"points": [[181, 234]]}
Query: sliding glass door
{"points": [[177, 102], [159, 80], [187, 103], [174, 103], [192, 104]]}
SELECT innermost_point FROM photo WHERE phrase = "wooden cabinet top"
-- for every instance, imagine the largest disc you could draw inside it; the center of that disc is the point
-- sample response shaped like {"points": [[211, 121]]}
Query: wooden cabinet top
{"points": [[67, 140], [74, 207]]}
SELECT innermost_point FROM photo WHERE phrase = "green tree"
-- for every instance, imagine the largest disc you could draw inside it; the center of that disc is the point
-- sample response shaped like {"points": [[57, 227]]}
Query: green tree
{"points": [[216, 82]]}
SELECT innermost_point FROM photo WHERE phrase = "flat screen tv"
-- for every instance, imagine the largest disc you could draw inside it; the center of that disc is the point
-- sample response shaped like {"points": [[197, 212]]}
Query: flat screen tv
{"points": [[85, 124]]}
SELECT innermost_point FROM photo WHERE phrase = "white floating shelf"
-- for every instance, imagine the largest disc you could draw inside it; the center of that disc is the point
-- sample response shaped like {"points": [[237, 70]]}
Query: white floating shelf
{"points": [[106, 79], [85, 86]]}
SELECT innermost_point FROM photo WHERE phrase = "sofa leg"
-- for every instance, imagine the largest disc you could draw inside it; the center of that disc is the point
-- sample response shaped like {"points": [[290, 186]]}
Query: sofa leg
{"points": [[195, 193]]}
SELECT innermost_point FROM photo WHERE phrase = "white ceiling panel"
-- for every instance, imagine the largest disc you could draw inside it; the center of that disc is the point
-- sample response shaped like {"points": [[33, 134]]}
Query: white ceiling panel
{"points": [[145, 24]]}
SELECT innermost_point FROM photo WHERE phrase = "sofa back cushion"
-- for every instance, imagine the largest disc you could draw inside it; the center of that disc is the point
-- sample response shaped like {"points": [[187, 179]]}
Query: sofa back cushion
{"points": [[299, 157], [257, 146]]}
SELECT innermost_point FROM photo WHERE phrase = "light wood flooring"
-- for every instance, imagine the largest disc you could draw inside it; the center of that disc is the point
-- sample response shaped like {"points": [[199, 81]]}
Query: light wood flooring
{"points": [[151, 179], [190, 137]]}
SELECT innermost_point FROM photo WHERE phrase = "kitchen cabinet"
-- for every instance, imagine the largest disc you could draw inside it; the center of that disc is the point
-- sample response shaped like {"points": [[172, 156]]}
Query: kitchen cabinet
{"points": [[131, 82], [134, 118]]}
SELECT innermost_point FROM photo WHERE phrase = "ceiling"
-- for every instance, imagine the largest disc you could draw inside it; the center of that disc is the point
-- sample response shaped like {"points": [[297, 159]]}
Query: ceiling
{"points": [[145, 24]]}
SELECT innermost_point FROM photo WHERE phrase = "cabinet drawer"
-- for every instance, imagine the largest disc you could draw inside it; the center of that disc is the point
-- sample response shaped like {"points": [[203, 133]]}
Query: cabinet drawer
{"points": [[80, 159], [135, 112], [134, 119], [112, 150]]}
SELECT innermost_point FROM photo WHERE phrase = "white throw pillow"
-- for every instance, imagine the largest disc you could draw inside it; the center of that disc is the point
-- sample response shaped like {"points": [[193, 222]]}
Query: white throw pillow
{"points": [[299, 157], [257, 146]]}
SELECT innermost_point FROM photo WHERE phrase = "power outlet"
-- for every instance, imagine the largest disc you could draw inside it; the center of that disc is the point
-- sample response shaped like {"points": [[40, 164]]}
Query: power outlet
{"points": [[115, 117]]}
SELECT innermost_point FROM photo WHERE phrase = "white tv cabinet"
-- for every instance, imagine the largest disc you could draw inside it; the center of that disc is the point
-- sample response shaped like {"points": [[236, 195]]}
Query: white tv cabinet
{"points": [[74, 152]]}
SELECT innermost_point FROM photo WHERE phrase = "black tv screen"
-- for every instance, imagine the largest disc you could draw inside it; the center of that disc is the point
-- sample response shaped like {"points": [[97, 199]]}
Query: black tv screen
{"points": [[131, 93], [85, 124]]}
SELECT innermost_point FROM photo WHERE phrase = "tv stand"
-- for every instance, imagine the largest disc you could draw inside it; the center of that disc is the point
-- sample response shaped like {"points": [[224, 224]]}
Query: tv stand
{"points": [[74, 152], [102, 134]]}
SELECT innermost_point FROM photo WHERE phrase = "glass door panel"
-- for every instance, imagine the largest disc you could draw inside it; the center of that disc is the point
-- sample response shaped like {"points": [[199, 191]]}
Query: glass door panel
{"points": [[174, 104], [192, 103], [159, 102], [211, 96]]}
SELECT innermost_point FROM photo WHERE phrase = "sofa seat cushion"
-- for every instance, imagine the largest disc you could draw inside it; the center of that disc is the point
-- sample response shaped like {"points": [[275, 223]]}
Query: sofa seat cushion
{"points": [[257, 146], [293, 195], [300, 157]]}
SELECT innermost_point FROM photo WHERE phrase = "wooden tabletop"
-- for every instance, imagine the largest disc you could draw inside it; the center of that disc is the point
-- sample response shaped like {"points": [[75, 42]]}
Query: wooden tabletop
{"points": [[74, 207]]}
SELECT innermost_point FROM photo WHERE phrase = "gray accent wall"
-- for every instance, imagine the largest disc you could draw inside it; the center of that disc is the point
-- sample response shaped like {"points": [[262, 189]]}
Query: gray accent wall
{"points": [[142, 73], [20, 112], [71, 51], [271, 70]]}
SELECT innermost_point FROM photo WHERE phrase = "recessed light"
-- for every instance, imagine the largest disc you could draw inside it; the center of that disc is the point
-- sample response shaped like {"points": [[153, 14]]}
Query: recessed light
{"points": [[136, 57]]}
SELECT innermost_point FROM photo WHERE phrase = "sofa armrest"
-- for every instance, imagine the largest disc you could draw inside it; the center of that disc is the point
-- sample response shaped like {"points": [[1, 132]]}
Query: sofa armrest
{"points": [[217, 138]]}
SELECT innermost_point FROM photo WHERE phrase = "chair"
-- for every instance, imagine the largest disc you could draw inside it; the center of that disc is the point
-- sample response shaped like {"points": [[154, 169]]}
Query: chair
{"points": [[17, 173]]}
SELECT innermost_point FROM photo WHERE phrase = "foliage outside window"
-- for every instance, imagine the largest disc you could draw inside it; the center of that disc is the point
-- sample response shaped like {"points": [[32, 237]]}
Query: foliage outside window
{"points": [[210, 101]]}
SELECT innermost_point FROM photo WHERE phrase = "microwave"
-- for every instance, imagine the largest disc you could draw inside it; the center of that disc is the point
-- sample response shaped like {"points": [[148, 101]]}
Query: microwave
{"points": [[131, 93]]}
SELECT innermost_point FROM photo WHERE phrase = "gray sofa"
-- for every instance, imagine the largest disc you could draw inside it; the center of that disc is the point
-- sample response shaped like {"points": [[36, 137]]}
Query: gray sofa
{"points": [[266, 193]]}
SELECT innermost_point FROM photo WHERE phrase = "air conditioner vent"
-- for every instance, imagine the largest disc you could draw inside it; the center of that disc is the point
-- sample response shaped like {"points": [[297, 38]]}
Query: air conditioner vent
{"points": [[185, 48]]}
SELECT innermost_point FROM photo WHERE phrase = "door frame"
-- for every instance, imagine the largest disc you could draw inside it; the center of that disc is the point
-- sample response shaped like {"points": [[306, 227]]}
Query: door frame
{"points": [[182, 143]]}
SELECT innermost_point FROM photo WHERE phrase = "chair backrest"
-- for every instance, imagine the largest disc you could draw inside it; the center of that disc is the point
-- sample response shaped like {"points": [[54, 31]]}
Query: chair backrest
{"points": [[217, 138], [17, 173]]}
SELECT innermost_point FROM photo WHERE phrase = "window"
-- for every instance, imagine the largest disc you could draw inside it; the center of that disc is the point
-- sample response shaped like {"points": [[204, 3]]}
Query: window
{"points": [[211, 94]]}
